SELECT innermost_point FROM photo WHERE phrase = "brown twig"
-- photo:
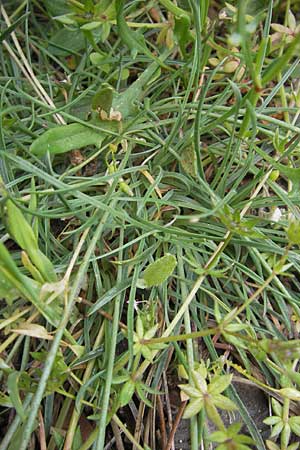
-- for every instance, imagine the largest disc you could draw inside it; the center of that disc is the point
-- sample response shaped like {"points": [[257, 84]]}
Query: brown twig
{"points": [[42, 434], [117, 435], [175, 426], [160, 410]]}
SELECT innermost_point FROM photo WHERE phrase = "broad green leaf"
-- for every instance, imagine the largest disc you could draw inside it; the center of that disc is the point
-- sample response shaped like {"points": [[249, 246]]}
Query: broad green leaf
{"points": [[159, 271], [182, 32], [139, 327], [73, 136], [189, 161], [151, 332], [182, 24], [103, 98], [67, 42], [125, 102], [13, 390], [65, 138], [291, 20], [57, 7], [31, 268]]}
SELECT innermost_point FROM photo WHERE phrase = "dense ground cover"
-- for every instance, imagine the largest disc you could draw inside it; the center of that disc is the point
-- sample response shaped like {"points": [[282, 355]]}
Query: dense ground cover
{"points": [[150, 226]]}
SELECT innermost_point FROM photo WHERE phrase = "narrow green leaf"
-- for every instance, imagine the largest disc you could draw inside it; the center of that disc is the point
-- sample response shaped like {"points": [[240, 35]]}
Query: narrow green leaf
{"points": [[277, 65], [291, 393], [25, 237], [193, 408], [13, 390], [272, 446], [19, 228], [272, 420], [293, 232], [13, 26], [222, 402], [126, 393]]}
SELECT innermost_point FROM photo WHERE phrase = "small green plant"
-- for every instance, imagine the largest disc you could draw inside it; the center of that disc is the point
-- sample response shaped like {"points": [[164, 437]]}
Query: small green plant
{"points": [[231, 439], [149, 205], [207, 394]]}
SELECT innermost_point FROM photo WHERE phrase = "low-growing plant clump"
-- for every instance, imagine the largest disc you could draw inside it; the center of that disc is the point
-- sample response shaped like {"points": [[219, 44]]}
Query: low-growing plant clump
{"points": [[150, 224]]}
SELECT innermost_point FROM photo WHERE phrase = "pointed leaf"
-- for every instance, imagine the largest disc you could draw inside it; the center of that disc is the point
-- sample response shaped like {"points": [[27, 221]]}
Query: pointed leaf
{"points": [[294, 423], [277, 407], [293, 446], [103, 98], [199, 381], [13, 390], [151, 333], [126, 393], [277, 429], [222, 402], [291, 393], [272, 420], [193, 408], [219, 384], [218, 436], [272, 446]]}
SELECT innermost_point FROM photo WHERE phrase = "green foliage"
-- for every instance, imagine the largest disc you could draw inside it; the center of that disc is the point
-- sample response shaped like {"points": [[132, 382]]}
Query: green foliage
{"points": [[207, 395], [159, 271], [149, 218], [231, 439], [65, 138]]}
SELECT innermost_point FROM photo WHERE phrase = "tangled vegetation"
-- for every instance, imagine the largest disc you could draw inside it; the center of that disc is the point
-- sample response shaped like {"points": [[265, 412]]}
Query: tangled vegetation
{"points": [[150, 223]]}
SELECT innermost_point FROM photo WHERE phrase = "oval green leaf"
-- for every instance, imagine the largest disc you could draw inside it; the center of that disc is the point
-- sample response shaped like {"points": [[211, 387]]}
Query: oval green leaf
{"points": [[65, 138], [158, 272]]}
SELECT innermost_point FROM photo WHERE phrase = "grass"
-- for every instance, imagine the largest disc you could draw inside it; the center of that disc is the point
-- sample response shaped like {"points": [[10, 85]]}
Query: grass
{"points": [[150, 224]]}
